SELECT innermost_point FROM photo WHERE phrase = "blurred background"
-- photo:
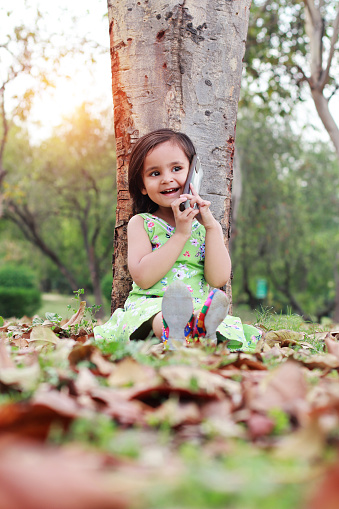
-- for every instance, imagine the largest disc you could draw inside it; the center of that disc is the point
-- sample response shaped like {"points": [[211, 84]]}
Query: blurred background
{"points": [[57, 163]]}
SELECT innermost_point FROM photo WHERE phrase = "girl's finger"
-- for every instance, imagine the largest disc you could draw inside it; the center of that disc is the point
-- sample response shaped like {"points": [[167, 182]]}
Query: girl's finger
{"points": [[194, 192]]}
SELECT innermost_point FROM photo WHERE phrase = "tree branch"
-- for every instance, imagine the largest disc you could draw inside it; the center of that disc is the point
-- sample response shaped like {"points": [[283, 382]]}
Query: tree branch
{"points": [[334, 39], [26, 223]]}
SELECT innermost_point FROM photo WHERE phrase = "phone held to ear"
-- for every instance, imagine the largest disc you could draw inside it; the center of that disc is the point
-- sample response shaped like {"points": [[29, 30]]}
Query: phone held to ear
{"points": [[194, 177]]}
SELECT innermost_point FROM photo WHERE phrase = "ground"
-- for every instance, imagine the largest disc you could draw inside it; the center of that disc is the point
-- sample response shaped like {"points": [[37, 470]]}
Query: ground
{"points": [[131, 425]]}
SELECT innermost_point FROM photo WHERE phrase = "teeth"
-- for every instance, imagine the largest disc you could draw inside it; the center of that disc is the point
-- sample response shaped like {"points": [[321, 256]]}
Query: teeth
{"points": [[169, 191]]}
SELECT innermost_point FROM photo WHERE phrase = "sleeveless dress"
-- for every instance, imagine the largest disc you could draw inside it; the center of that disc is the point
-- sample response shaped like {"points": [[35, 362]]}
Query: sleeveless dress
{"points": [[141, 305]]}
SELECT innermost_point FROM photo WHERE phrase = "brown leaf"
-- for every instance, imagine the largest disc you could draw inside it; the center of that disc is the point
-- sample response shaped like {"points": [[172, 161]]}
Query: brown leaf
{"points": [[317, 361], [5, 358], [104, 366], [77, 317], [284, 387], [175, 413], [124, 411], [80, 353], [259, 425], [129, 372], [191, 377], [332, 346], [25, 378], [36, 477], [43, 334], [218, 419], [326, 495], [32, 420], [306, 443], [284, 337]]}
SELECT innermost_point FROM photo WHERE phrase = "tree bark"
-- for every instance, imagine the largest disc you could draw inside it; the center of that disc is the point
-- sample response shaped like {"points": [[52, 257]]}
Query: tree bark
{"points": [[176, 64]]}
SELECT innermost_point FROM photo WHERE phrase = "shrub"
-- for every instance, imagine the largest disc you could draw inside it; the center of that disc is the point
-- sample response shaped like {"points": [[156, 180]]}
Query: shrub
{"points": [[106, 286], [17, 277], [19, 301], [19, 293]]}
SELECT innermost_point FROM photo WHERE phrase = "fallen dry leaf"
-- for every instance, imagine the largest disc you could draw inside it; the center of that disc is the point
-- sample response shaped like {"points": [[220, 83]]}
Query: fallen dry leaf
{"points": [[283, 337], [130, 372], [5, 358], [55, 478], [259, 425], [332, 346], [25, 378], [306, 443], [284, 387], [326, 492], [43, 334], [77, 317], [175, 413], [191, 377]]}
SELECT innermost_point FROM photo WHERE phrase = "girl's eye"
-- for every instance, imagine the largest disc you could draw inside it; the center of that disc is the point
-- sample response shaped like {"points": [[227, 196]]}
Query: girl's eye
{"points": [[154, 173], [177, 168]]}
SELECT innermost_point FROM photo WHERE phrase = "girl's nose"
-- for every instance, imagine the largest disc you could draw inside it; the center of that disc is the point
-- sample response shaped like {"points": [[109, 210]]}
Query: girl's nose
{"points": [[167, 176]]}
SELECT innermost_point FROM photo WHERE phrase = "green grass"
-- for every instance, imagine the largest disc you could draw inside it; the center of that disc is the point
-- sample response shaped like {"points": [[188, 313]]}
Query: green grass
{"points": [[57, 303]]}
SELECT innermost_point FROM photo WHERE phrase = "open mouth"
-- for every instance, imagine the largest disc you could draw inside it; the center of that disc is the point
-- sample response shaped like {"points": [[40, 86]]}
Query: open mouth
{"points": [[170, 191]]}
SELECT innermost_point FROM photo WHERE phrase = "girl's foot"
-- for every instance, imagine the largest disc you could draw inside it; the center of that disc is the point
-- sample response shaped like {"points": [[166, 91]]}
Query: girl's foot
{"points": [[177, 312], [213, 312]]}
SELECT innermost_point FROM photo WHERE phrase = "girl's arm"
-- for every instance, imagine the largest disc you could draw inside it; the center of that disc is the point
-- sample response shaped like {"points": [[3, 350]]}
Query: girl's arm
{"points": [[217, 260], [217, 267], [147, 267]]}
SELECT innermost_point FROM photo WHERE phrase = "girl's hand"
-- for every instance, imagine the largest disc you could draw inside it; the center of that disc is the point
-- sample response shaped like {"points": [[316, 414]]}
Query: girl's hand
{"points": [[183, 220], [204, 215]]}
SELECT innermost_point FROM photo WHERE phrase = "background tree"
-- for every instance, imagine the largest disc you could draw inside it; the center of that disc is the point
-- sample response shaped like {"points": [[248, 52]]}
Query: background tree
{"points": [[287, 220], [60, 195], [30, 61], [176, 65], [293, 44]]}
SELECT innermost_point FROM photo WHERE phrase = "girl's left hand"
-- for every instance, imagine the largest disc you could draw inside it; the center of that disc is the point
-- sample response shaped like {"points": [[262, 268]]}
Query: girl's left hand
{"points": [[205, 216]]}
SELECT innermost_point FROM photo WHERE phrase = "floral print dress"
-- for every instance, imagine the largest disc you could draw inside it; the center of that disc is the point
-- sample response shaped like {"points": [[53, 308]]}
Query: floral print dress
{"points": [[141, 305]]}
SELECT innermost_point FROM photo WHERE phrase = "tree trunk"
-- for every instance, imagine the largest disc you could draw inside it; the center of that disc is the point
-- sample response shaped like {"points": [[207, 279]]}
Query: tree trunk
{"points": [[320, 70], [320, 77], [321, 104], [176, 65]]}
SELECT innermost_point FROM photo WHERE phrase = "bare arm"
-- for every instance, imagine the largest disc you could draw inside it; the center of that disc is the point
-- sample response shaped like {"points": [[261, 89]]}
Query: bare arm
{"points": [[217, 267], [147, 267], [217, 260]]}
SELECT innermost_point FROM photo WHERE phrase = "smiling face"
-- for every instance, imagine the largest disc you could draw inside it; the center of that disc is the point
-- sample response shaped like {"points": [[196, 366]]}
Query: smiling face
{"points": [[164, 173]]}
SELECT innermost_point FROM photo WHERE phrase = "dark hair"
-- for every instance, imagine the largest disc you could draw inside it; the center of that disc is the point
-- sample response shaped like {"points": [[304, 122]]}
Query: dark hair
{"points": [[141, 202]]}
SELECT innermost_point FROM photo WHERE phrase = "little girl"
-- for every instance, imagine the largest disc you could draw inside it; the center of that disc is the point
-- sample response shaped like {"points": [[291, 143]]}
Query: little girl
{"points": [[174, 256]]}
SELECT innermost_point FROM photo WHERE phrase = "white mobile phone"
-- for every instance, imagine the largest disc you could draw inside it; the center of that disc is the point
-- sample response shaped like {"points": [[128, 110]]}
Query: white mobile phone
{"points": [[194, 177]]}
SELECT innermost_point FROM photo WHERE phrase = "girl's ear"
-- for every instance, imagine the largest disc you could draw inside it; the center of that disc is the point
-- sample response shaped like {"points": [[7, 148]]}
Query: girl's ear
{"points": [[143, 191]]}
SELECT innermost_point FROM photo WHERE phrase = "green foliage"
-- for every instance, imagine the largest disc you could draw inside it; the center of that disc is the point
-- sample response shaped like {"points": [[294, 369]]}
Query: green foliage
{"points": [[19, 301], [244, 478], [106, 286], [276, 58], [19, 294], [284, 218], [65, 191], [17, 277]]}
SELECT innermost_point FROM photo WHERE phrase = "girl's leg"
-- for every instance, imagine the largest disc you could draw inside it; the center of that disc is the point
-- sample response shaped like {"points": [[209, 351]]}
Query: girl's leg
{"points": [[211, 315], [157, 325], [175, 323]]}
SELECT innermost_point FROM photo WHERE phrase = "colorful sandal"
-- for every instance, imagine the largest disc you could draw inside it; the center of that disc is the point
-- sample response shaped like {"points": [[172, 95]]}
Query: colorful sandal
{"points": [[211, 315], [177, 313]]}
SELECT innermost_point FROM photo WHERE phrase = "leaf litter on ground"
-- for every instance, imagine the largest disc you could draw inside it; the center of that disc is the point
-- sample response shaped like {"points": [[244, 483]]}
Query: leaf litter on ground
{"points": [[171, 429]]}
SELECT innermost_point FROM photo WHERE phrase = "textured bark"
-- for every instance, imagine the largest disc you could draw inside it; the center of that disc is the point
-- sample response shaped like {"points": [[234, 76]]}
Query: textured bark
{"points": [[178, 65]]}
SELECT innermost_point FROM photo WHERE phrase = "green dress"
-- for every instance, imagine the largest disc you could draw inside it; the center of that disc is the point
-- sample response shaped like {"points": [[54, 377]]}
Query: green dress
{"points": [[134, 320]]}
